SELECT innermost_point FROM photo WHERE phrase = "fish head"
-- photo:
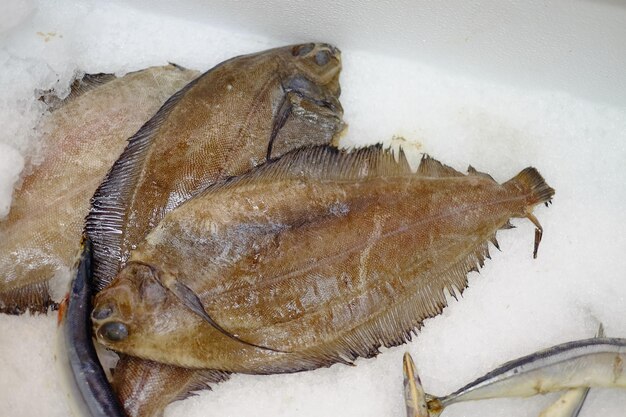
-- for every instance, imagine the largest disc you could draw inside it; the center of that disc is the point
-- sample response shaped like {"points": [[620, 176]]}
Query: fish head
{"points": [[312, 69], [309, 112], [123, 309]]}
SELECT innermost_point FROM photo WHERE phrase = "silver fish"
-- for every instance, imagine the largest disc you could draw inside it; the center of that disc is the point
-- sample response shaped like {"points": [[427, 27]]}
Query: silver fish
{"points": [[596, 362], [571, 402]]}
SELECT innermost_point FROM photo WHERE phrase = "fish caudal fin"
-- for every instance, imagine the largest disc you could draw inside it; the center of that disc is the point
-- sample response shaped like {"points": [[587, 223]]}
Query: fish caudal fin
{"points": [[534, 186], [414, 395]]}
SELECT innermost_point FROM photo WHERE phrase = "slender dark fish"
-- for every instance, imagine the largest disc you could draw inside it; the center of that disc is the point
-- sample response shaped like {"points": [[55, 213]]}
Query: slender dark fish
{"points": [[90, 381], [317, 258]]}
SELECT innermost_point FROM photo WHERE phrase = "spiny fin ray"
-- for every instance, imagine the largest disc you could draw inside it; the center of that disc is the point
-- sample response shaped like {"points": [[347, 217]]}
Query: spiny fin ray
{"points": [[107, 216], [34, 297]]}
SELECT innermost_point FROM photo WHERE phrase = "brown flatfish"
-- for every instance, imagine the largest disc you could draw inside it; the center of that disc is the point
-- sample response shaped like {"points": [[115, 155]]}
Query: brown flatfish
{"points": [[320, 257], [81, 138], [227, 121], [234, 117]]}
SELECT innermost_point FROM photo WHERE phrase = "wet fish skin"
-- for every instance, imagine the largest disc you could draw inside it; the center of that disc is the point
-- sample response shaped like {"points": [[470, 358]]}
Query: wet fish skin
{"points": [[237, 115], [301, 256], [81, 138], [596, 362], [227, 121]]}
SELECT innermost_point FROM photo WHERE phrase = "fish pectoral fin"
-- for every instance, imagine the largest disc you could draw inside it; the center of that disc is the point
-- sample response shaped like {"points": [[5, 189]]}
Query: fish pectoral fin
{"points": [[284, 110], [192, 302]]}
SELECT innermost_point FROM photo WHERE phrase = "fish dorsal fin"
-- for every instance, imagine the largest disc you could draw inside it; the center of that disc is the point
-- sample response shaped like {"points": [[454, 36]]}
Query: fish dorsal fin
{"points": [[472, 171], [88, 83], [430, 167], [329, 163], [107, 216], [80, 86], [325, 162]]}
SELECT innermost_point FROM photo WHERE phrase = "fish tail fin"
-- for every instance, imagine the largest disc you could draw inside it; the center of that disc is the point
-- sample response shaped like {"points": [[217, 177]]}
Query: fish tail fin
{"points": [[533, 185]]}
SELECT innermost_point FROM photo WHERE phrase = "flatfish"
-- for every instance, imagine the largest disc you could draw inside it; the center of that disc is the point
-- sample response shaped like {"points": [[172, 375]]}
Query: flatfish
{"points": [[81, 138], [232, 118], [241, 113], [320, 257]]}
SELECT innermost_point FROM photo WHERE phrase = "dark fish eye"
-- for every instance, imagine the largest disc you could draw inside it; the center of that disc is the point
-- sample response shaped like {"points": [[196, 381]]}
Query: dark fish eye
{"points": [[102, 313], [114, 331], [301, 50], [322, 58]]}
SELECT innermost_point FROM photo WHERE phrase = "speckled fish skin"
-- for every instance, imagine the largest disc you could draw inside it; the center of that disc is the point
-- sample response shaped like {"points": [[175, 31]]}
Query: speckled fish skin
{"points": [[234, 117], [81, 139], [317, 258], [226, 122]]}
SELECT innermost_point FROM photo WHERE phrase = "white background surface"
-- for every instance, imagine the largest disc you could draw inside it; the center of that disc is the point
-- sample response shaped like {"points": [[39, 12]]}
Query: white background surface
{"points": [[499, 85]]}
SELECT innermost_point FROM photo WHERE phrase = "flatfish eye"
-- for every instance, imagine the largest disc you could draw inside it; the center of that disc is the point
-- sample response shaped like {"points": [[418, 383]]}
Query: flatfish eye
{"points": [[322, 58], [114, 331], [302, 50], [102, 313]]}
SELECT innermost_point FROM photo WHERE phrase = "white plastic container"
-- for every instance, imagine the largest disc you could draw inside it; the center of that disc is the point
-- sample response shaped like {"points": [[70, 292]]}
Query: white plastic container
{"points": [[497, 84]]}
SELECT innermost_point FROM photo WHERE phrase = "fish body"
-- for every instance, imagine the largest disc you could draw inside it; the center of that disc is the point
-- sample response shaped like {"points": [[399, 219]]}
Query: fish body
{"points": [[597, 362], [320, 257], [81, 138], [237, 115], [227, 121]]}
